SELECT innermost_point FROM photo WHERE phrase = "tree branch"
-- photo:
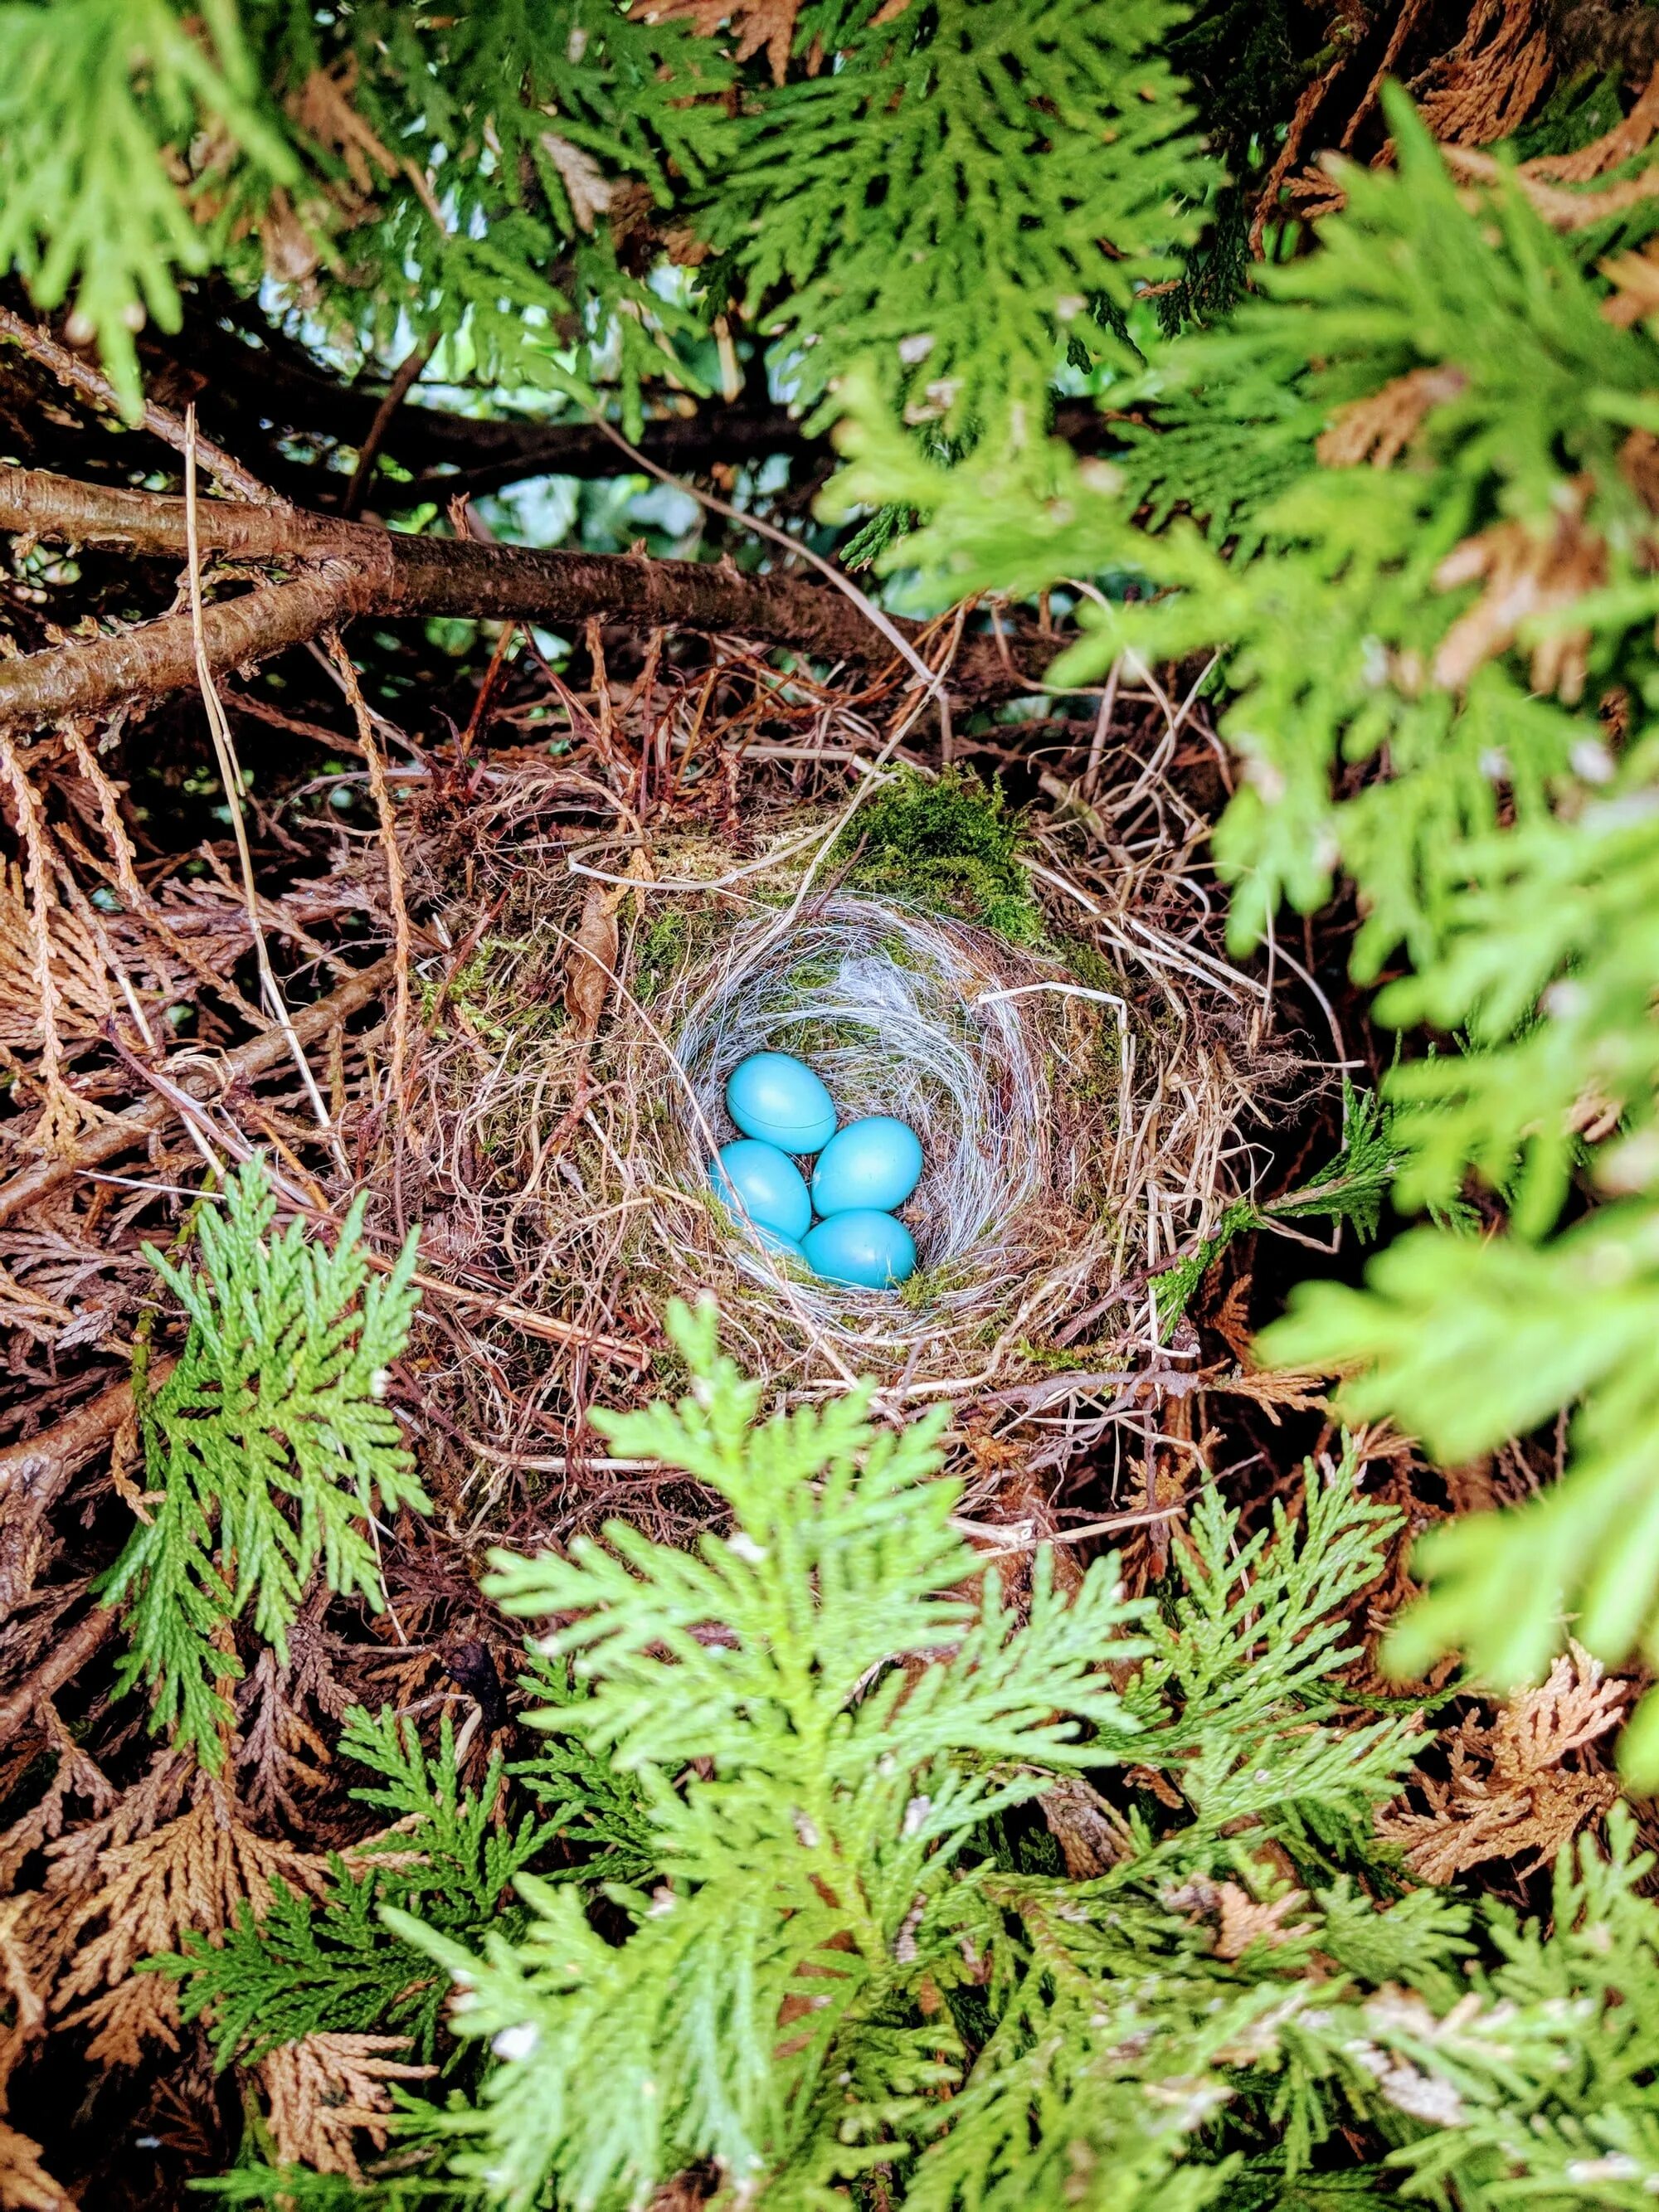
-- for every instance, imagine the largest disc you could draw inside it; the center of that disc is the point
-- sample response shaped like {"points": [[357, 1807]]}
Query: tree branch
{"points": [[160, 657], [245, 386], [64, 1662], [364, 569]]}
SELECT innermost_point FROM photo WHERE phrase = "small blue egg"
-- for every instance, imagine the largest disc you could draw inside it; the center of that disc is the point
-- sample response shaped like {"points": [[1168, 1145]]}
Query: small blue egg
{"points": [[868, 1249], [756, 1179], [776, 1097], [872, 1163], [781, 1248]]}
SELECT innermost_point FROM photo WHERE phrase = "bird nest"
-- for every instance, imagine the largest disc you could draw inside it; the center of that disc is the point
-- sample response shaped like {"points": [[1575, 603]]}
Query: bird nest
{"points": [[1078, 1095]]}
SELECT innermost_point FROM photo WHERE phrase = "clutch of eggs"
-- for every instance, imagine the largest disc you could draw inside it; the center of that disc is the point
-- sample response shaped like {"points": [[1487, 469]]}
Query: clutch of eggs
{"points": [[863, 1172]]}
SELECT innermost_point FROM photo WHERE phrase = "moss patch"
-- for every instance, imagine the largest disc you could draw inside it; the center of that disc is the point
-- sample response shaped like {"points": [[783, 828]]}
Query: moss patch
{"points": [[949, 846]]}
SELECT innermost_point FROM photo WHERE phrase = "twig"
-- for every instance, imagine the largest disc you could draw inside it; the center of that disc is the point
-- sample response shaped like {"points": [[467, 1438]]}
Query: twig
{"points": [[363, 569], [933, 678], [402, 938], [161, 422], [140, 1123], [68, 1657], [311, 1206], [34, 1474], [398, 390], [143, 663], [230, 774], [46, 1462]]}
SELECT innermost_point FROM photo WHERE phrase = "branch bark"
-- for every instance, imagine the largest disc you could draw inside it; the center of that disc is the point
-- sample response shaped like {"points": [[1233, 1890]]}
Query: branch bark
{"points": [[86, 1637], [244, 387], [34, 1474], [358, 568]]}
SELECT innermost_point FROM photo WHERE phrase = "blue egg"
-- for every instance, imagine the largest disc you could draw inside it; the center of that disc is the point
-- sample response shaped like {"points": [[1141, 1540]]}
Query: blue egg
{"points": [[875, 1163], [868, 1249], [781, 1248], [776, 1097], [758, 1180]]}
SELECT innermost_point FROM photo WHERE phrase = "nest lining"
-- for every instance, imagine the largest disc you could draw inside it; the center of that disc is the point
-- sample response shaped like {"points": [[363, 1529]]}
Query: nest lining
{"points": [[901, 1014]]}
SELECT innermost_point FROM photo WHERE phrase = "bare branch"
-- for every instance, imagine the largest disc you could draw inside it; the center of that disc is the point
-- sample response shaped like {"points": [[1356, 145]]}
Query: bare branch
{"points": [[62, 1665], [140, 664], [366, 570]]}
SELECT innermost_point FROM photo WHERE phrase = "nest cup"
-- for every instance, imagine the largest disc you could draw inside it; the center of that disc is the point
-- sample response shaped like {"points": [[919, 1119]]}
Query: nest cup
{"points": [[945, 1026], [1078, 1099], [904, 1015]]}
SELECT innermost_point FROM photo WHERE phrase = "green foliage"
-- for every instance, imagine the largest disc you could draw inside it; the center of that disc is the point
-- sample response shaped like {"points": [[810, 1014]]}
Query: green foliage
{"points": [[91, 93], [948, 843], [965, 194], [822, 1801], [532, 117], [268, 1450], [1415, 642], [337, 1967], [1350, 1189], [853, 1955], [950, 196]]}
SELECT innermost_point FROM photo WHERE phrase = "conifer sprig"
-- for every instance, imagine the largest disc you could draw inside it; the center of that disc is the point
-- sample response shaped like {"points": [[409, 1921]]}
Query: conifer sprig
{"points": [[268, 1450], [298, 1971], [1469, 535]]}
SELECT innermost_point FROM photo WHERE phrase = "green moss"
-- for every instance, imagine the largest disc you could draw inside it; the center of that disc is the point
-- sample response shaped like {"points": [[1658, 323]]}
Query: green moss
{"points": [[950, 845], [1091, 967], [662, 946]]}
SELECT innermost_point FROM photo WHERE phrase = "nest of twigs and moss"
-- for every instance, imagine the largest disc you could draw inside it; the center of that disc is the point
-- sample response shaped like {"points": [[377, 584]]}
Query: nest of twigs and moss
{"points": [[1077, 1067]]}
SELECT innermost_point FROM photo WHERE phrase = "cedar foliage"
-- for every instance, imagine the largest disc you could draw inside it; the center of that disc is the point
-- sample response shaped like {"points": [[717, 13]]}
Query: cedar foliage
{"points": [[845, 1950], [267, 1452], [1456, 384]]}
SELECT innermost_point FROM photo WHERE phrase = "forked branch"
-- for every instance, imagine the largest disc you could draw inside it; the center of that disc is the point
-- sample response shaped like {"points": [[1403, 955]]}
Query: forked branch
{"points": [[346, 569]]}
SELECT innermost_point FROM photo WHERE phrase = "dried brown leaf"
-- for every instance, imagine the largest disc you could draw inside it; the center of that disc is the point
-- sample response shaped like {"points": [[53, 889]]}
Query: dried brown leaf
{"points": [[1242, 1920], [592, 962], [322, 109], [1378, 427], [1635, 280], [1091, 1836], [1525, 572], [1489, 82], [1519, 1785], [324, 2088]]}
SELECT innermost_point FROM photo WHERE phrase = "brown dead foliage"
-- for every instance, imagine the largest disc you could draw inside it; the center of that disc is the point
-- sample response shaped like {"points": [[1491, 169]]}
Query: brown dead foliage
{"points": [[1490, 81], [25, 2185], [1378, 427], [1549, 180], [1525, 571], [1521, 1784], [326, 2089], [767, 26]]}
